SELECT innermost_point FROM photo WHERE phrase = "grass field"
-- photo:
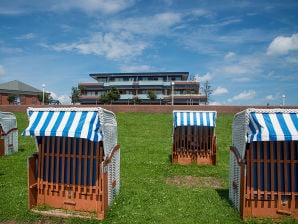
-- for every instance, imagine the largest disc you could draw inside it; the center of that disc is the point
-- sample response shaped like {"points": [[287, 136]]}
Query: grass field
{"points": [[146, 195]]}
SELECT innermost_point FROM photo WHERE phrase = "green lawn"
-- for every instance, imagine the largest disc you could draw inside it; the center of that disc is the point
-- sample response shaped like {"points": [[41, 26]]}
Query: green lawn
{"points": [[145, 195]]}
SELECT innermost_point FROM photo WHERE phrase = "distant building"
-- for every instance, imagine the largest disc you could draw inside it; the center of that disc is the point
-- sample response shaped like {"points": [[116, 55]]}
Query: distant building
{"points": [[169, 87], [25, 94]]}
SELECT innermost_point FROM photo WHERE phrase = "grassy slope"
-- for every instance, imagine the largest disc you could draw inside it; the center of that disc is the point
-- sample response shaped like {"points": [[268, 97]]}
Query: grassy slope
{"points": [[145, 197]]}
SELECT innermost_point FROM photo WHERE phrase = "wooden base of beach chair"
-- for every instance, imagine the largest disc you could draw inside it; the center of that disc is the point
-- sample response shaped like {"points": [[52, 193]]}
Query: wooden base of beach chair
{"points": [[188, 158], [270, 208], [206, 160], [69, 182], [268, 182]]}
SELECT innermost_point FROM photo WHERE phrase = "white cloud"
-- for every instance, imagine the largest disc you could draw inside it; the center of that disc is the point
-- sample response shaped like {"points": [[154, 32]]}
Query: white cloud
{"points": [[18, 7], [236, 69], [66, 28], [230, 55], [292, 60], [270, 97], [136, 68], [276, 96], [245, 95], [27, 36], [282, 45], [206, 77], [64, 99], [215, 103], [10, 50], [109, 45], [220, 90], [241, 79], [157, 24], [89, 6], [2, 70]]}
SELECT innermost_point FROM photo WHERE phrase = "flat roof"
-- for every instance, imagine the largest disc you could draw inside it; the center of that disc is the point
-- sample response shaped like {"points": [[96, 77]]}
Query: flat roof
{"points": [[134, 74]]}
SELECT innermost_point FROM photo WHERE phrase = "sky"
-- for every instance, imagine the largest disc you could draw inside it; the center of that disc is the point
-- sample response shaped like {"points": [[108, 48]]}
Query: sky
{"points": [[247, 50]]}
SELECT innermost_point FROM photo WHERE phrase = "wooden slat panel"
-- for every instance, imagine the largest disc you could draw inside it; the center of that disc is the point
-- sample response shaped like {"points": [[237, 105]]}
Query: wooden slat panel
{"points": [[41, 163], [251, 187], [248, 172], [285, 167], [85, 165], [80, 164], [265, 161], [278, 171], [272, 175], [68, 159], [53, 149], [258, 162], [63, 162], [47, 159], [74, 157], [294, 146], [93, 156], [58, 162]]}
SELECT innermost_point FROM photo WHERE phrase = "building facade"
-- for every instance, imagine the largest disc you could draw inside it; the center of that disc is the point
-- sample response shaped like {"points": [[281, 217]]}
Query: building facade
{"points": [[168, 88], [25, 94]]}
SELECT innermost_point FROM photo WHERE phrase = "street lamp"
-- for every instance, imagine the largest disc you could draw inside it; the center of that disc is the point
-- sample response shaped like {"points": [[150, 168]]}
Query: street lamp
{"points": [[283, 99], [43, 86], [173, 83]]}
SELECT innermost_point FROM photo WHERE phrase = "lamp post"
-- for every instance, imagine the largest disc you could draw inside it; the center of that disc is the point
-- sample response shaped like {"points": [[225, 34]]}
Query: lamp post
{"points": [[283, 99], [173, 83], [43, 86]]}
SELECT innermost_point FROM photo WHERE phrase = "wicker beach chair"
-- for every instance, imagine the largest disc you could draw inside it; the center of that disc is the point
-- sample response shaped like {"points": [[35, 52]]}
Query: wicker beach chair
{"points": [[194, 139], [264, 163], [77, 163]]}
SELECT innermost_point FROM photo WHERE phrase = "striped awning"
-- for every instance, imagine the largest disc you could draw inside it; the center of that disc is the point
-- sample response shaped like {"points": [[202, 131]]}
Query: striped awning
{"points": [[276, 125], [194, 118], [67, 122]]}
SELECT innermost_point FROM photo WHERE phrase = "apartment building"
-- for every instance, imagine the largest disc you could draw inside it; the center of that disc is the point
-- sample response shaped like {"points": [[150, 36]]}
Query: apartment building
{"points": [[168, 87]]}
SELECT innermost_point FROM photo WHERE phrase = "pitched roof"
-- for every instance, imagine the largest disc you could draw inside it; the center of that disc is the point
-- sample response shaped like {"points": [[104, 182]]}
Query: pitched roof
{"points": [[17, 86]]}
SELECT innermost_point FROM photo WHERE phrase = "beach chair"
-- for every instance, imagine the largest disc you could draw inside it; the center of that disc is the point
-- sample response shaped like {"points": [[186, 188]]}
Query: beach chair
{"points": [[193, 137], [77, 164], [264, 163], [8, 133]]}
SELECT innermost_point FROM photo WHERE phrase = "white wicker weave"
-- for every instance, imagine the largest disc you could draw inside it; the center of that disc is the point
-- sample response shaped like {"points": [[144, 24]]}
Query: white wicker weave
{"points": [[8, 122]]}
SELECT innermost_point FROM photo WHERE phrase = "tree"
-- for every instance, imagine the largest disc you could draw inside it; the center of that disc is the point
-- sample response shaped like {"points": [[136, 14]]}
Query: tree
{"points": [[207, 90], [75, 94], [47, 97], [151, 95], [136, 100], [105, 98], [110, 96], [11, 98]]}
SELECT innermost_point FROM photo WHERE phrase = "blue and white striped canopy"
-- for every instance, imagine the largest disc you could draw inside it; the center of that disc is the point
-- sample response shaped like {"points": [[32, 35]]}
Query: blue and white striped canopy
{"points": [[194, 118], [64, 122], [272, 126]]}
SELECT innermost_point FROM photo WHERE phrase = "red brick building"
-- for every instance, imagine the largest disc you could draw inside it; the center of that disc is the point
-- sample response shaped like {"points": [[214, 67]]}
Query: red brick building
{"points": [[25, 94]]}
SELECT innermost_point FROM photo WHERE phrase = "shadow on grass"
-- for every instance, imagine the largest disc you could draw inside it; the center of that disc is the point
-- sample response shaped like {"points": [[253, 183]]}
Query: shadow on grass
{"points": [[170, 158], [224, 194]]}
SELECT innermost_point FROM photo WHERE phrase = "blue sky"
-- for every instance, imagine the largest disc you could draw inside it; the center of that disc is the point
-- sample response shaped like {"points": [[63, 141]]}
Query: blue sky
{"points": [[246, 50]]}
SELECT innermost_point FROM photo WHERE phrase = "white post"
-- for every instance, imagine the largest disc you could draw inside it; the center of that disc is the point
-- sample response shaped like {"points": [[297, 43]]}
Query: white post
{"points": [[173, 83], [43, 86], [283, 99]]}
